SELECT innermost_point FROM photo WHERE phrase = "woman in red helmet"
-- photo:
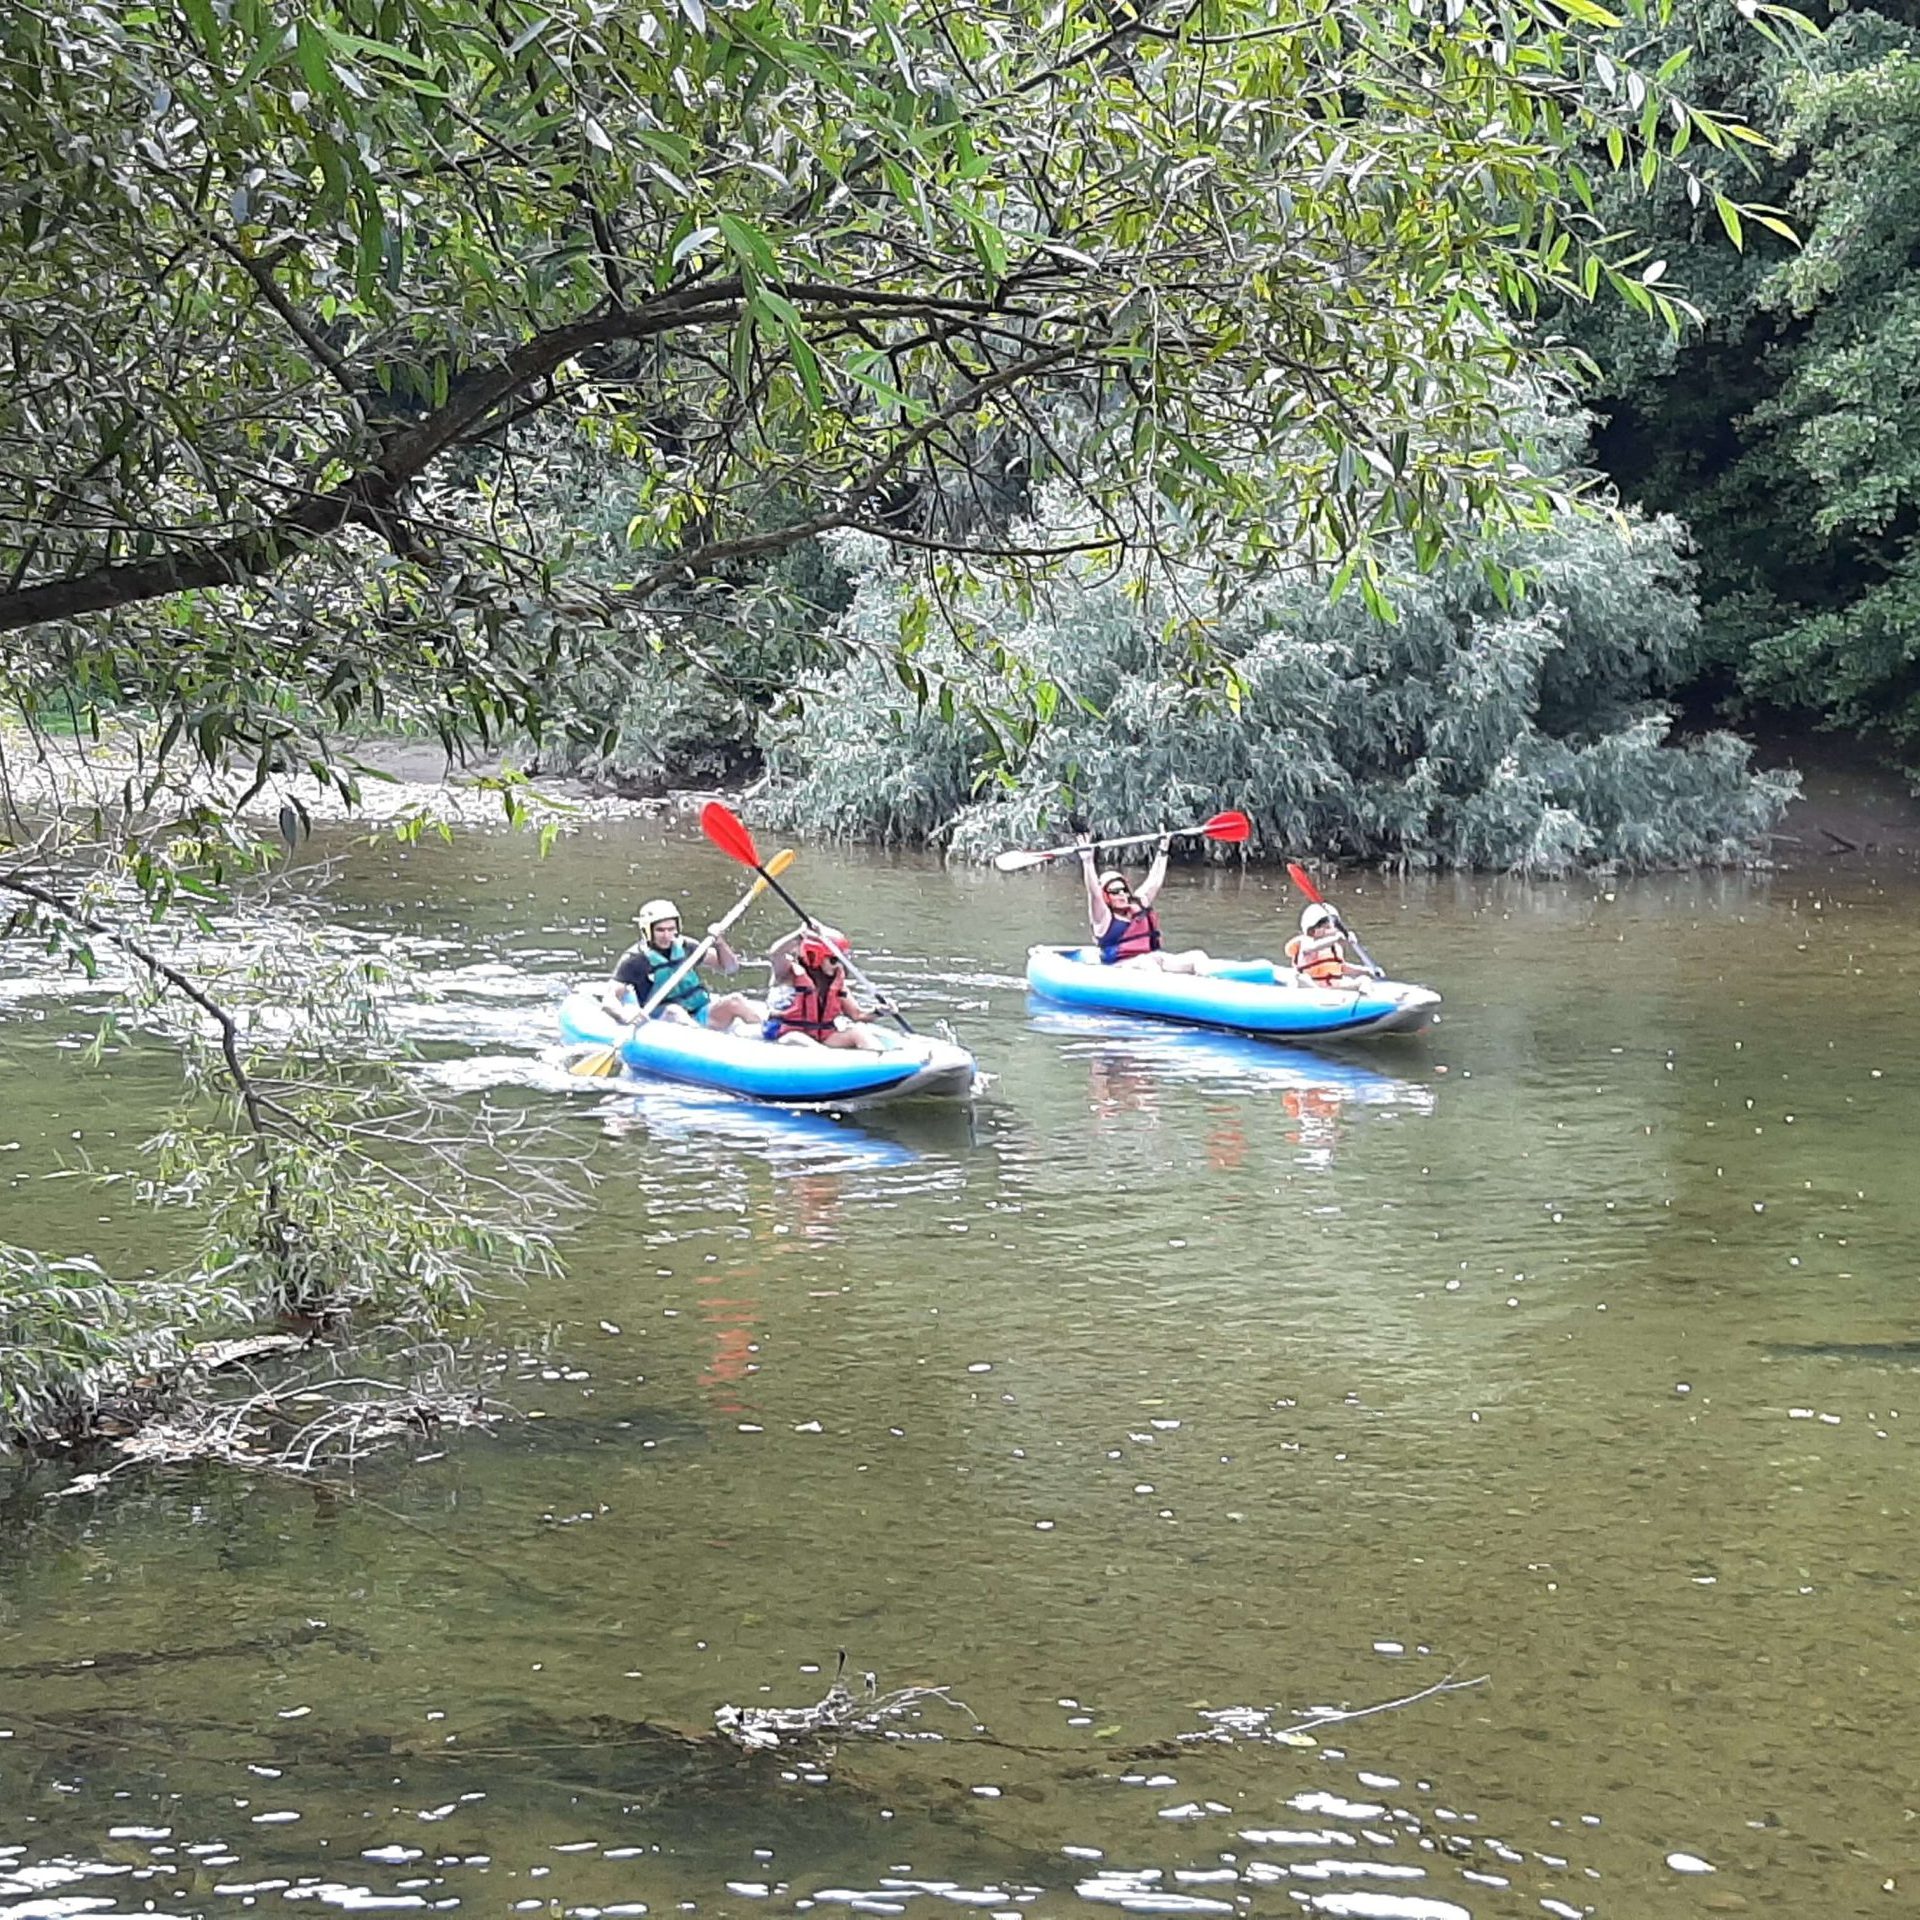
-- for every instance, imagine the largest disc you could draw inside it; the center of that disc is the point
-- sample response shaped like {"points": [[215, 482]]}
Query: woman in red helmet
{"points": [[814, 1007]]}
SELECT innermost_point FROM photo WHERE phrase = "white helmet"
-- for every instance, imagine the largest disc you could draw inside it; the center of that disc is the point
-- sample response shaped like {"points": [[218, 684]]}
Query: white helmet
{"points": [[656, 910], [1312, 916]]}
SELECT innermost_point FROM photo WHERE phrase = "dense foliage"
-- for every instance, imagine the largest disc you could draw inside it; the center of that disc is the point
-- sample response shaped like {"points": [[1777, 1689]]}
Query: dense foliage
{"points": [[283, 282], [1516, 728], [1786, 430]]}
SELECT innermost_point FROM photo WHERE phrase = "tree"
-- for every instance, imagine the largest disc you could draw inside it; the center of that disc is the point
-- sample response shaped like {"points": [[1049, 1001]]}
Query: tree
{"points": [[281, 281], [1785, 430]]}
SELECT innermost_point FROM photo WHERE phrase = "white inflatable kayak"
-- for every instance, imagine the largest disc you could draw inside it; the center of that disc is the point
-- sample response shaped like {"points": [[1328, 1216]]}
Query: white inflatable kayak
{"points": [[1240, 996], [917, 1068]]}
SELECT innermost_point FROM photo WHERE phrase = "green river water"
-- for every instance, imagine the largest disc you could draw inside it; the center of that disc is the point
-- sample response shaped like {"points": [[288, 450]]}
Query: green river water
{"points": [[1573, 1345]]}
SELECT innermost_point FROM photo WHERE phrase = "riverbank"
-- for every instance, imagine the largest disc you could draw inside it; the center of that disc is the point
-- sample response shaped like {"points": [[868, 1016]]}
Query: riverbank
{"points": [[394, 781], [1851, 814]]}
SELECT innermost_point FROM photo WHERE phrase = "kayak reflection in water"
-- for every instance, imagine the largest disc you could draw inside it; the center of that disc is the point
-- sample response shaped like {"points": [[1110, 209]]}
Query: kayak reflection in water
{"points": [[810, 1004], [1124, 922], [655, 958]]}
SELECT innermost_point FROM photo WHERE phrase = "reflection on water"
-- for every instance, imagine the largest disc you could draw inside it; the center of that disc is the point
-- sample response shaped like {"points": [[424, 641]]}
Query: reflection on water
{"points": [[1131, 1063], [1188, 1386]]}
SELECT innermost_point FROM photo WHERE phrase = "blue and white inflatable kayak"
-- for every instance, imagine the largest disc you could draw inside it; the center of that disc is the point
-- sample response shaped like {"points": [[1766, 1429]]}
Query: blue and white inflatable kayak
{"points": [[1241, 996], [917, 1069]]}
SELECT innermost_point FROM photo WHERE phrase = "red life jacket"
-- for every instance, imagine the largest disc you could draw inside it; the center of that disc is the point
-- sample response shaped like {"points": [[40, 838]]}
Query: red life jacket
{"points": [[812, 1010], [1137, 933]]}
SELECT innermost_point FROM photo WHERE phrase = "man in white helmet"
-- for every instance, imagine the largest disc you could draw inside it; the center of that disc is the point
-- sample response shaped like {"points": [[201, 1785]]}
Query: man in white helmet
{"points": [[655, 957], [1319, 953]]}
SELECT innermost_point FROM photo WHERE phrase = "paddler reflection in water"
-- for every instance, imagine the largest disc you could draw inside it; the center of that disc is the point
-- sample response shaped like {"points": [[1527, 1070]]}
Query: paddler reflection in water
{"points": [[810, 1004], [647, 965], [1124, 922]]}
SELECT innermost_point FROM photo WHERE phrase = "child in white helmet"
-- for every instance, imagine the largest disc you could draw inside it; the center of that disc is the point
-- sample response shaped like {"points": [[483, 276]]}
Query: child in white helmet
{"points": [[1319, 952], [655, 957]]}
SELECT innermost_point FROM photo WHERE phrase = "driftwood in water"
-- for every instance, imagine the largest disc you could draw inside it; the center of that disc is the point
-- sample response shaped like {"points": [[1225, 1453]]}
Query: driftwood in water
{"points": [[132, 1659], [784, 1771], [302, 1427], [836, 1715]]}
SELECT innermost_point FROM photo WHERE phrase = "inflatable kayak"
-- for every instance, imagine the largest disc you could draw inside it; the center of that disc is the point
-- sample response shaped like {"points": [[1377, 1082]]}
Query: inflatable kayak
{"points": [[1241, 996], [744, 1064]]}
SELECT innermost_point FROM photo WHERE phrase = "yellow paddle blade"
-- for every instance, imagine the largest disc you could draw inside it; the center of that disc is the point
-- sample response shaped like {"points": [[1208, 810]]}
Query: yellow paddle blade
{"points": [[598, 1064], [781, 861]]}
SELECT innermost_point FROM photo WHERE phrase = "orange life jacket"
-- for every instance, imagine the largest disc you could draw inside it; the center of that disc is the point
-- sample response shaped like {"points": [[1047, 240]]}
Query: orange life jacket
{"points": [[1319, 960]]}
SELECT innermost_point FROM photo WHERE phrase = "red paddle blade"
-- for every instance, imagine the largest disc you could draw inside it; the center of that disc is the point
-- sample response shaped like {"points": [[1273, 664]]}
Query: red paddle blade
{"points": [[1302, 879], [1232, 826], [729, 833]]}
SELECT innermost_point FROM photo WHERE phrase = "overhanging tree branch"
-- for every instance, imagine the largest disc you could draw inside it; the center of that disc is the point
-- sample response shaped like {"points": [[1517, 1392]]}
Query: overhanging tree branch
{"points": [[370, 497]]}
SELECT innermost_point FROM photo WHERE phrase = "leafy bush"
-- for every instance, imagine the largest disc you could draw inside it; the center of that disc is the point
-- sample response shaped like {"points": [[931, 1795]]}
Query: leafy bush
{"points": [[1495, 721], [319, 1179], [76, 1342]]}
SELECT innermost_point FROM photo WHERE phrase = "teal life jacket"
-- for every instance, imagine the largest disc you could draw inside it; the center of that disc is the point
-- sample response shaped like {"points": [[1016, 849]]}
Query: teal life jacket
{"points": [[645, 968]]}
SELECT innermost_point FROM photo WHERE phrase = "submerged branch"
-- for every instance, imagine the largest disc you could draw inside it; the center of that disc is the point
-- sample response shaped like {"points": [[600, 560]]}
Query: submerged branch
{"points": [[836, 1714]]}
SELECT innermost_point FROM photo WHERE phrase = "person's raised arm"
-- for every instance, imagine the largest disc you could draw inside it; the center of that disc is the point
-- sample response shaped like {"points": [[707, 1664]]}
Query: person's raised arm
{"points": [[1149, 888], [724, 956], [1097, 909], [780, 954]]}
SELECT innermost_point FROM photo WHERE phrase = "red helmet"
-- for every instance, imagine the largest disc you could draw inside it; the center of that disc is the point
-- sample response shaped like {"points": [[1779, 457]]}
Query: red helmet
{"points": [[822, 950]]}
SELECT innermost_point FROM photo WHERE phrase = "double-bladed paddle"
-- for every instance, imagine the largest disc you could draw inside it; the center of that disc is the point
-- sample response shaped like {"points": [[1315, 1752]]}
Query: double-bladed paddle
{"points": [[602, 1060], [1230, 828]]}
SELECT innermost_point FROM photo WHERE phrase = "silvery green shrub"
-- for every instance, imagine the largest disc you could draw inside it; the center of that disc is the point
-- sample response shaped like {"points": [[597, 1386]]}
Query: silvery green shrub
{"points": [[1518, 730]]}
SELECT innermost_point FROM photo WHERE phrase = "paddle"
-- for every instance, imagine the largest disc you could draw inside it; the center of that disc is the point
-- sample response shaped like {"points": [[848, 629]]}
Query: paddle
{"points": [[1230, 828], [602, 1060], [1304, 881], [729, 833]]}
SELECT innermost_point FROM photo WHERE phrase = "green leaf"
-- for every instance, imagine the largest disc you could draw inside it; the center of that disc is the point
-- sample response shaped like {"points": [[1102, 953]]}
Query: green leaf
{"points": [[206, 26], [747, 244]]}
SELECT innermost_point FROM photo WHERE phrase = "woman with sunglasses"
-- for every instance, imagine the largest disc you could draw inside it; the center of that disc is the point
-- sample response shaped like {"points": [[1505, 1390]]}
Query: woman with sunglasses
{"points": [[1124, 922]]}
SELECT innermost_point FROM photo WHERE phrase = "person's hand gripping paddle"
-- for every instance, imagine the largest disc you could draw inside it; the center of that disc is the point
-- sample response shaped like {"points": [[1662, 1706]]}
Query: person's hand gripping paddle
{"points": [[602, 1061]]}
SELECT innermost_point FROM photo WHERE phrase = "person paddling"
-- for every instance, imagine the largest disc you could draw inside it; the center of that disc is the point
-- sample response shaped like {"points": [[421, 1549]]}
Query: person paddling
{"points": [[782, 954], [1124, 921], [1319, 950], [646, 965], [813, 1007]]}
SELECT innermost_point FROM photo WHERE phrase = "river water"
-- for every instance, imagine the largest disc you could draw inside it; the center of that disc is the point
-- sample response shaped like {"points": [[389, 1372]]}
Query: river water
{"points": [[1183, 1388]]}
